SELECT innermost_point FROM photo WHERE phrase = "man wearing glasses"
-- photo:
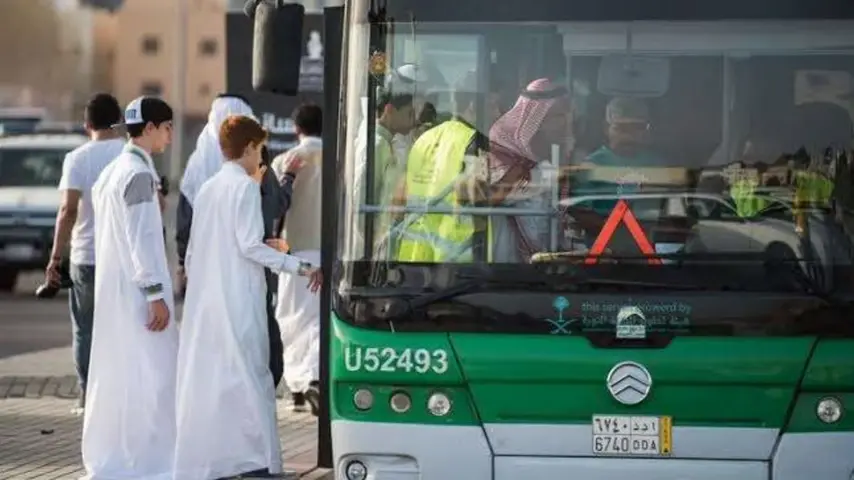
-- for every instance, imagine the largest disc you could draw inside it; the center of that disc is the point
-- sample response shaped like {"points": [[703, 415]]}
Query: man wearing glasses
{"points": [[626, 152], [628, 131]]}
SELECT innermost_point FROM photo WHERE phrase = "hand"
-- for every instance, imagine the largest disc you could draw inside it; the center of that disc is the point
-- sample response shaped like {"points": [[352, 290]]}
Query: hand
{"points": [[158, 316], [259, 174], [51, 272], [279, 244], [472, 191], [315, 280], [294, 165]]}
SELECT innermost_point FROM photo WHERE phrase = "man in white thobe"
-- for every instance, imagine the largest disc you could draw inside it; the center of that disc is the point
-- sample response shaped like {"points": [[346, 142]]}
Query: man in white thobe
{"points": [[203, 163], [297, 310], [226, 405], [129, 422]]}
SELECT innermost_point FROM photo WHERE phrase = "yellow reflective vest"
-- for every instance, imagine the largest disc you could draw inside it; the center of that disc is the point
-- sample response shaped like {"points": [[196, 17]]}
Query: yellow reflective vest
{"points": [[436, 164]]}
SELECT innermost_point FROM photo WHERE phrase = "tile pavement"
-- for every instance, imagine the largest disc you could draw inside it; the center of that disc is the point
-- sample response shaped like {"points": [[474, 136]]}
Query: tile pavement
{"points": [[59, 386], [40, 438]]}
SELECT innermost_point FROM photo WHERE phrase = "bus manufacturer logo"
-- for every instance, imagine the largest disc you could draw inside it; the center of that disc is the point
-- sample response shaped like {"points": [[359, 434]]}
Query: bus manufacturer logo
{"points": [[631, 323], [629, 383]]}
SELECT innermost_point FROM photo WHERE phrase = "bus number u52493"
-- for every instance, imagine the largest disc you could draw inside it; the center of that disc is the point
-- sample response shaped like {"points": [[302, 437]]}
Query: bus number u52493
{"points": [[388, 359]]}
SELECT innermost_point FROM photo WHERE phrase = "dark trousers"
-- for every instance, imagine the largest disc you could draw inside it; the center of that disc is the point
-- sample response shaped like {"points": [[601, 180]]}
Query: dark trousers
{"points": [[81, 303], [277, 350]]}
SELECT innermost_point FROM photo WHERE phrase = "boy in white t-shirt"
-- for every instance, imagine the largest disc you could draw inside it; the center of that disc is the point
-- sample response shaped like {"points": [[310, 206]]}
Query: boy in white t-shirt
{"points": [[75, 223]]}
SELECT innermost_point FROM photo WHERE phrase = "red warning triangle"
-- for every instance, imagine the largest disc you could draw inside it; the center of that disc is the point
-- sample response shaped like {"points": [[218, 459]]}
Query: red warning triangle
{"points": [[622, 213]]}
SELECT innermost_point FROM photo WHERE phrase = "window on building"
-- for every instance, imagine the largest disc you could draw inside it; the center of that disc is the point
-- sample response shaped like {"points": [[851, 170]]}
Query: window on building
{"points": [[150, 45], [207, 47], [151, 87]]}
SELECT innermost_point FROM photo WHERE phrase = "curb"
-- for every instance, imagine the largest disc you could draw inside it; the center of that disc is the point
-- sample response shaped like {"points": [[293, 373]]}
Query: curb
{"points": [[37, 387]]}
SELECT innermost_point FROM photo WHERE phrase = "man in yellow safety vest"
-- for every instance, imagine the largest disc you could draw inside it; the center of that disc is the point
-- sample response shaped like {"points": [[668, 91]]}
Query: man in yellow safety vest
{"points": [[441, 161]]}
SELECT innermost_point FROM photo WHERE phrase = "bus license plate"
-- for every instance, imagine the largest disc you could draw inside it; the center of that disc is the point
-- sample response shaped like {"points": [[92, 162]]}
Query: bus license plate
{"points": [[623, 435]]}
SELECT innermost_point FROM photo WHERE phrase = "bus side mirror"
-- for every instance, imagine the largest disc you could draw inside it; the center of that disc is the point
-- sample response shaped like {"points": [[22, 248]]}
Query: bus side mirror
{"points": [[277, 48]]}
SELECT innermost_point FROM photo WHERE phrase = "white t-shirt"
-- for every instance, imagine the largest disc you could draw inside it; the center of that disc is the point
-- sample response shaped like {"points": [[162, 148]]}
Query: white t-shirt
{"points": [[80, 170]]}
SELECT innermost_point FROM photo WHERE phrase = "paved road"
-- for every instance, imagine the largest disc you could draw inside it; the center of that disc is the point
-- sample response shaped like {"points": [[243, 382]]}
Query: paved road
{"points": [[28, 325]]}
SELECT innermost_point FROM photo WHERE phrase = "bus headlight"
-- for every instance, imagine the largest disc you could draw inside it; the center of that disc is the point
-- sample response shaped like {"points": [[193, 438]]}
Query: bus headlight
{"points": [[439, 404], [829, 410], [363, 399], [400, 402], [356, 470]]}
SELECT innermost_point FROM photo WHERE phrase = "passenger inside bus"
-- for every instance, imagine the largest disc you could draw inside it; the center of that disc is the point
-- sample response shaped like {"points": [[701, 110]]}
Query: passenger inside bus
{"points": [[395, 115], [416, 80], [521, 143], [628, 151], [628, 129], [442, 158]]}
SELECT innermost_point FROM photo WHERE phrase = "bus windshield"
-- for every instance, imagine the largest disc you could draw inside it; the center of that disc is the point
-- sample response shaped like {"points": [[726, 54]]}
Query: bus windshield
{"points": [[647, 144]]}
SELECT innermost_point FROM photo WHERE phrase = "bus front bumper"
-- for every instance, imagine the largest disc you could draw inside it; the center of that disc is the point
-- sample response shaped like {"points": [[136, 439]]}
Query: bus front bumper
{"points": [[391, 451]]}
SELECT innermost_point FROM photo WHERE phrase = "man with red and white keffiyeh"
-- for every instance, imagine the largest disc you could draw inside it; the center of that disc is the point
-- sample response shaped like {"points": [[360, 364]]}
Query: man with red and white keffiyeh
{"points": [[520, 146]]}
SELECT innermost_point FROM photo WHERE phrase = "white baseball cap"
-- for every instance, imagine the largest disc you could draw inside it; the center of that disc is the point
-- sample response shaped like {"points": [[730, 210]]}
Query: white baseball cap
{"points": [[133, 112], [147, 109]]}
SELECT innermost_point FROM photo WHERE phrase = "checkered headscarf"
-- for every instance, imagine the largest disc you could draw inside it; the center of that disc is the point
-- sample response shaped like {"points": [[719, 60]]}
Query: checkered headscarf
{"points": [[510, 143]]}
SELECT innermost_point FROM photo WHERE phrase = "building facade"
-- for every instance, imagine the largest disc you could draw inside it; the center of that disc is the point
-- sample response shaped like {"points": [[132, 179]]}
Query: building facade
{"points": [[53, 55], [148, 51]]}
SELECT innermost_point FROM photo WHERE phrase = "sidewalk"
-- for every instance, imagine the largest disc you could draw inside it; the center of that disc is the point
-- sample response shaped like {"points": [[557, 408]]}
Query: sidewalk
{"points": [[40, 438]]}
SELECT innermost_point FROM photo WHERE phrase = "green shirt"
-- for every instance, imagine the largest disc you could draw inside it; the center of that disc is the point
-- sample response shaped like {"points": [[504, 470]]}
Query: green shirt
{"points": [[605, 157]]}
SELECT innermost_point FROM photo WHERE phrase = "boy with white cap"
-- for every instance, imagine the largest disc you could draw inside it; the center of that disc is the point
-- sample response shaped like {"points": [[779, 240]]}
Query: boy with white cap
{"points": [[129, 423]]}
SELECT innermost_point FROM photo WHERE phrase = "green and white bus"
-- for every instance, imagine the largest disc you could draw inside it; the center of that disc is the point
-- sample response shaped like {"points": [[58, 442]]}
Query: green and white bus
{"points": [[729, 357]]}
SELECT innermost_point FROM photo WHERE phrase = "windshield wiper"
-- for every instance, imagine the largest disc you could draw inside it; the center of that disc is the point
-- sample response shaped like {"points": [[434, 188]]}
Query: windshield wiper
{"points": [[808, 283], [806, 274]]}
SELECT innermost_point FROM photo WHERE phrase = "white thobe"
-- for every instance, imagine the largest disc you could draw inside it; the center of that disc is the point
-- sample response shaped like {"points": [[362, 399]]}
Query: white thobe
{"points": [[129, 423], [298, 309], [226, 405], [298, 314]]}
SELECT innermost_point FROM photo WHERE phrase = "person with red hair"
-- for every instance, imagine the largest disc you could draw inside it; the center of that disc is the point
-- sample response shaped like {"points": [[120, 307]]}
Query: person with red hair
{"points": [[226, 401], [521, 143]]}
